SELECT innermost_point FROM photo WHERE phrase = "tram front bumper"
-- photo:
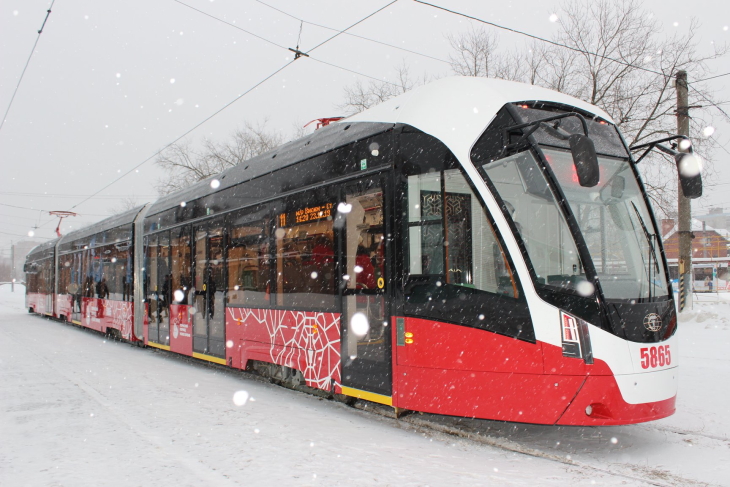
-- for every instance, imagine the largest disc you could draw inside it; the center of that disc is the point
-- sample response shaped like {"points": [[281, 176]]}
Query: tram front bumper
{"points": [[623, 399]]}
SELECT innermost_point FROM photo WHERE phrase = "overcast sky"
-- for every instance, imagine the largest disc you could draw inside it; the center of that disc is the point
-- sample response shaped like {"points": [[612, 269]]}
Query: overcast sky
{"points": [[110, 83]]}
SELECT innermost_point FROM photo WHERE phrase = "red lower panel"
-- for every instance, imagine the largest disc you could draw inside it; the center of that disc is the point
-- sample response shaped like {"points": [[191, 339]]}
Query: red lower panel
{"points": [[609, 408], [526, 398], [39, 303], [64, 306], [146, 323], [101, 314], [307, 341], [444, 345], [181, 329]]}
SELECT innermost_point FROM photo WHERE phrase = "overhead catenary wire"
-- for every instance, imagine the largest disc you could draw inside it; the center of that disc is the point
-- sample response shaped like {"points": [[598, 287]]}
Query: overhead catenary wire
{"points": [[583, 51], [186, 133], [224, 106], [22, 207], [318, 60], [702, 95], [18, 235], [22, 74], [443, 60], [287, 49], [43, 210], [351, 26], [542, 39], [712, 77], [15, 225], [369, 39], [353, 71], [230, 24]]}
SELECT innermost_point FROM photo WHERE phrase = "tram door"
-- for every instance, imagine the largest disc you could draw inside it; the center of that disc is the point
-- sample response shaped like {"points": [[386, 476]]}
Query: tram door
{"points": [[159, 291], [209, 321], [366, 344], [152, 289]]}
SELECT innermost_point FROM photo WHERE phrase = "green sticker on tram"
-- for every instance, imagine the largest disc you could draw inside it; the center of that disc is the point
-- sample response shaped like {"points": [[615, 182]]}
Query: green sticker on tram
{"points": [[400, 332]]}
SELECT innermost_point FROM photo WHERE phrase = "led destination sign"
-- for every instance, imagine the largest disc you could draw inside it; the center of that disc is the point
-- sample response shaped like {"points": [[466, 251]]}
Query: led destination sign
{"points": [[306, 215]]}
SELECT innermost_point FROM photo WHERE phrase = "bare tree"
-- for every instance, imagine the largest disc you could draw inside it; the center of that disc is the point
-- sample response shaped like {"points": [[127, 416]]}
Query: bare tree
{"points": [[612, 54], [475, 53], [125, 204], [620, 62], [186, 165], [360, 97]]}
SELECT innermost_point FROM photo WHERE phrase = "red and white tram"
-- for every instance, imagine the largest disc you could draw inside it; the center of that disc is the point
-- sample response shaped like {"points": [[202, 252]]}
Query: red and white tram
{"points": [[475, 247]]}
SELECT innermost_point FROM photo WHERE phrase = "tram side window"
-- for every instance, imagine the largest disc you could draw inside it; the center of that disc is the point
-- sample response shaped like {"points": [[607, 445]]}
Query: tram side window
{"points": [[64, 273], [34, 277], [450, 237], [117, 272], [31, 279], [454, 267], [181, 264], [101, 278], [305, 264], [47, 276], [249, 268], [39, 278], [77, 275], [87, 281], [35, 283], [164, 280], [151, 277]]}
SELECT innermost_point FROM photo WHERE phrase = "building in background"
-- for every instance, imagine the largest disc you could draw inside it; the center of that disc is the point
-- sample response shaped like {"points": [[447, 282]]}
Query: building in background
{"points": [[22, 249], [710, 258]]}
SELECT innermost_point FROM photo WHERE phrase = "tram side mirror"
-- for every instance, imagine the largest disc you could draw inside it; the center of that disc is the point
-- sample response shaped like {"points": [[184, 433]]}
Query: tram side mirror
{"points": [[617, 187], [585, 160], [690, 174], [614, 190]]}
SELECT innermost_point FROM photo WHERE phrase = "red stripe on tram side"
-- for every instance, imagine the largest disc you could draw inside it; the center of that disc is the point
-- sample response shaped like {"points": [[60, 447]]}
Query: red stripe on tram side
{"points": [[64, 306], [304, 340]]}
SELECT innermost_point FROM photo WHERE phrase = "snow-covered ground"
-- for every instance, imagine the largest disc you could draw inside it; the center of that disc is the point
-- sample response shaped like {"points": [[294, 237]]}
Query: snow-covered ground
{"points": [[76, 409]]}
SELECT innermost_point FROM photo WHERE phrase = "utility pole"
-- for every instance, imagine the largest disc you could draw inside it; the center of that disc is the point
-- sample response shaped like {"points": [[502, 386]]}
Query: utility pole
{"points": [[684, 208], [12, 267]]}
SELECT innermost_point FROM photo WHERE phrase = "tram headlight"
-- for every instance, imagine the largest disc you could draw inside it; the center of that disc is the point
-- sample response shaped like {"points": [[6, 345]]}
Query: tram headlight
{"points": [[575, 337]]}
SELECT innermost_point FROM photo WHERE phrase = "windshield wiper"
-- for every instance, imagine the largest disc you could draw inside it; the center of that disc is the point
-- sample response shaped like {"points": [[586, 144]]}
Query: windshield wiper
{"points": [[649, 240]]}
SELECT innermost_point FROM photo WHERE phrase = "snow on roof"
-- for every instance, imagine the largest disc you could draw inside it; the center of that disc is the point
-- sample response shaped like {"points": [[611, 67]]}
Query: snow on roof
{"points": [[699, 225], [457, 109]]}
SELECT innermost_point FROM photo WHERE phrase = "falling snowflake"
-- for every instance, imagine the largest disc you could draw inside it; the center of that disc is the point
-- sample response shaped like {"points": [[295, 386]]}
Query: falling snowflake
{"points": [[240, 398]]}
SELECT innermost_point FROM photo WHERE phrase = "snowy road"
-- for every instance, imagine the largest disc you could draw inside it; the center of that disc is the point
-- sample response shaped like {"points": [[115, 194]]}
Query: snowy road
{"points": [[76, 410]]}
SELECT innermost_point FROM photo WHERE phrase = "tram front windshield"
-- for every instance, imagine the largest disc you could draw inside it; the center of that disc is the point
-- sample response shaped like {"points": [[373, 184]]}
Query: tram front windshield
{"points": [[612, 216]]}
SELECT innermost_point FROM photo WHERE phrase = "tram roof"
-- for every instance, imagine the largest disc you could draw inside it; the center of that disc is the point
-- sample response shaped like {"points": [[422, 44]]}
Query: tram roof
{"points": [[321, 141], [455, 110], [40, 248], [103, 225], [458, 109]]}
